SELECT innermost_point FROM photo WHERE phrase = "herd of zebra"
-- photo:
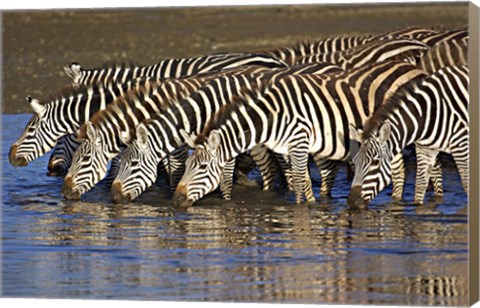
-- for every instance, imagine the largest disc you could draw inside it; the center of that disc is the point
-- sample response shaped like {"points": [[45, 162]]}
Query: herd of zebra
{"points": [[357, 99]]}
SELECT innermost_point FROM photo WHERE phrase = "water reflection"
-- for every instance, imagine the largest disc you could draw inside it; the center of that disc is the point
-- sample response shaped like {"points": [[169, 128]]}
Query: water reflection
{"points": [[258, 247]]}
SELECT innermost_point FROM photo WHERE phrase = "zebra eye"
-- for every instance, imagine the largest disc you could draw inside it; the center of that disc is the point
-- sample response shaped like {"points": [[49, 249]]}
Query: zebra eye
{"points": [[85, 159], [375, 161], [134, 164]]}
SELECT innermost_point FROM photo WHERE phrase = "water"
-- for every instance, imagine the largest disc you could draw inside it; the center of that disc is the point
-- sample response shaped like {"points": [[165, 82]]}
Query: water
{"points": [[259, 247]]}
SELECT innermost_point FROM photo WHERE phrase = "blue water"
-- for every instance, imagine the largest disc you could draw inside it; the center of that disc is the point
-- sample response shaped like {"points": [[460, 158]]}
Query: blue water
{"points": [[259, 247]]}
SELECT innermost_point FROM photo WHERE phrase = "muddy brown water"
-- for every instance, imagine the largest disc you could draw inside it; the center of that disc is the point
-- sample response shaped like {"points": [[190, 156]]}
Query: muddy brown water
{"points": [[259, 247]]}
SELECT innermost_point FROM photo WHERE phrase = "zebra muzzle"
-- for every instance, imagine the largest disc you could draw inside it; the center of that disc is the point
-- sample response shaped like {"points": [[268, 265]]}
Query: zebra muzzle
{"points": [[180, 197], [117, 194], [67, 190], [14, 160], [355, 199]]}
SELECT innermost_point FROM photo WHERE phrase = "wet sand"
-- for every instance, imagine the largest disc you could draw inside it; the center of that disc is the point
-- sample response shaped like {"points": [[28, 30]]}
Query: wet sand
{"points": [[37, 44]]}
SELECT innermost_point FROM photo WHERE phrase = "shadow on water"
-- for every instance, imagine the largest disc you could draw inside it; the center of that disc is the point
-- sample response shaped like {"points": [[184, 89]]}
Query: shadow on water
{"points": [[257, 247]]}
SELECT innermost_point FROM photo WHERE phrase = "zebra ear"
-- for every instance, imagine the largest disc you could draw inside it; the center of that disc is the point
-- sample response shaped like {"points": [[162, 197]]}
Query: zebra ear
{"points": [[35, 104], [73, 71], [189, 139], [213, 140], [91, 132], [384, 132], [355, 133], [142, 136]]}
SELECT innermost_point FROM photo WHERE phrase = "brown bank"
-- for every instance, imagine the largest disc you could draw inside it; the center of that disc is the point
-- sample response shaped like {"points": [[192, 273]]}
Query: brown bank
{"points": [[36, 44]]}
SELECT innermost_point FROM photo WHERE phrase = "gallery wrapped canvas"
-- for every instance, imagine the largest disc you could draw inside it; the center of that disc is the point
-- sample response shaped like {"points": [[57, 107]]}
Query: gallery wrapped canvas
{"points": [[312, 154]]}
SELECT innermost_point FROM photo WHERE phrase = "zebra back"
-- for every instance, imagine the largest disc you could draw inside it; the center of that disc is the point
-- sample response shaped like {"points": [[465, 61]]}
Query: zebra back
{"points": [[169, 68], [449, 35], [375, 51], [355, 94], [445, 53], [414, 33]]}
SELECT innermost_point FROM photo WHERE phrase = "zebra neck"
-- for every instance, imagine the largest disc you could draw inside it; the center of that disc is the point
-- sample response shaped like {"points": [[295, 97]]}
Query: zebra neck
{"points": [[407, 125], [236, 142], [112, 145], [166, 136]]}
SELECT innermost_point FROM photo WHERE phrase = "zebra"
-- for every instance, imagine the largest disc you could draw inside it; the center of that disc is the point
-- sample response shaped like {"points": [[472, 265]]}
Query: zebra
{"points": [[294, 116], [169, 68], [375, 51], [445, 53], [115, 124], [160, 135], [432, 113]]}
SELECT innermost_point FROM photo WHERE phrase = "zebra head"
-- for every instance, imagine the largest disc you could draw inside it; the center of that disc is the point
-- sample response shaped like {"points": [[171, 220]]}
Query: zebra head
{"points": [[38, 137], [138, 167], [89, 164], [202, 171], [372, 166]]}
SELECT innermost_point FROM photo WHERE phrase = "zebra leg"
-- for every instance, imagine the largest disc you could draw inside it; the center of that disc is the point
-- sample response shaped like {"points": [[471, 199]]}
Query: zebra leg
{"points": [[285, 165], [350, 170], [461, 157], [328, 171], [398, 176], [437, 179], [226, 179], [425, 161], [302, 183], [176, 166], [244, 164], [266, 164]]}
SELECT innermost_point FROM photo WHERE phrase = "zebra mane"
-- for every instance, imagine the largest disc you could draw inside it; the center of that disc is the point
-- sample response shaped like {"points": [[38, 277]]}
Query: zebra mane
{"points": [[236, 103], [129, 99], [66, 91], [393, 102], [120, 101], [114, 64]]}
